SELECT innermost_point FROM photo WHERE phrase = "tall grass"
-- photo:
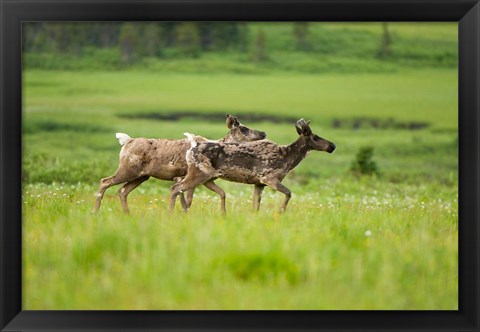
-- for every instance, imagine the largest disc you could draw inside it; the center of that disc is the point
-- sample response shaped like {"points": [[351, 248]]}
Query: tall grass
{"points": [[373, 247]]}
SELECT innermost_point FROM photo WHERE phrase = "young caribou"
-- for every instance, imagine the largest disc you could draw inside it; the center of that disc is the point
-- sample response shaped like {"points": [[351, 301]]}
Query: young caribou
{"points": [[164, 159], [261, 163]]}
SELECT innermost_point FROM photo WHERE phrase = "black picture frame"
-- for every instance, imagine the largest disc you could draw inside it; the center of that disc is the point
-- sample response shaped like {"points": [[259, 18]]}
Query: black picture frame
{"points": [[14, 12]]}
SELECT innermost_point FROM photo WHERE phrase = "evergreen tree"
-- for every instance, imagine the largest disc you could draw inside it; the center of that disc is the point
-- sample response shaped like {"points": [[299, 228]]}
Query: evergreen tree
{"points": [[58, 36], [127, 43], [188, 39], [225, 35], [106, 34], [151, 39], [34, 37], [300, 31], [77, 36], [169, 33], [222, 35], [259, 52], [385, 43], [243, 37], [206, 35]]}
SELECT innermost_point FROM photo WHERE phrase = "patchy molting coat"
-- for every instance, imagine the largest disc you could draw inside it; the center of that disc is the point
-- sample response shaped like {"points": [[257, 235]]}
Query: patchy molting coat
{"points": [[247, 163], [260, 163], [161, 158]]}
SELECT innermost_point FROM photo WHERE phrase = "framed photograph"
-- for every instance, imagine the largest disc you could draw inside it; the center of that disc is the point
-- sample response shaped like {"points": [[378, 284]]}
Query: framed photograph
{"points": [[239, 165]]}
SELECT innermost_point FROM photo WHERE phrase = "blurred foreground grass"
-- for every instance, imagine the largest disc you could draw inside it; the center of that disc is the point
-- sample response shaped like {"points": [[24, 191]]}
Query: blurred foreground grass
{"points": [[351, 245]]}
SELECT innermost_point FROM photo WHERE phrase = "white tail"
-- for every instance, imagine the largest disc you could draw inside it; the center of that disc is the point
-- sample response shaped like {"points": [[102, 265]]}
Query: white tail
{"points": [[191, 139], [122, 138]]}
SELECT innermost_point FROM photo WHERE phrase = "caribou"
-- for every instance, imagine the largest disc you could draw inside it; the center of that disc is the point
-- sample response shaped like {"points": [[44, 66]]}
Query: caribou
{"points": [[261, 163], [164, 159]]}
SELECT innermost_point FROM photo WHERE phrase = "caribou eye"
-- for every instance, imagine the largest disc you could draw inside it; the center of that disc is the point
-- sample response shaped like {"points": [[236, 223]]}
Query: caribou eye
{"points": [[316, 138], [243, 129]]}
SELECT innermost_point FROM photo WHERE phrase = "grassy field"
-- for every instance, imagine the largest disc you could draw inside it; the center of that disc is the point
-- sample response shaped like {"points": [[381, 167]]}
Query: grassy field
{"points": [[316, 256], [387, 241], [78, 116]]}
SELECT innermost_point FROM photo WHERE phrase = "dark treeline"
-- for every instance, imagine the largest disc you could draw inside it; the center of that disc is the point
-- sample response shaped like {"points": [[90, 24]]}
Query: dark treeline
{"points": [[136, 39], [299, 46]]}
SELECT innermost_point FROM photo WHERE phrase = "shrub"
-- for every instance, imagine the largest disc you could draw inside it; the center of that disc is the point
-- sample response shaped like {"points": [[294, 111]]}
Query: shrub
{"points": [[364, 163]]}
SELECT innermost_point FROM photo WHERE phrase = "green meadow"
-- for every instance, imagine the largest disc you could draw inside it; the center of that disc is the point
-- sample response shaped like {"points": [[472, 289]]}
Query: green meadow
{"points": [[347, 240]]}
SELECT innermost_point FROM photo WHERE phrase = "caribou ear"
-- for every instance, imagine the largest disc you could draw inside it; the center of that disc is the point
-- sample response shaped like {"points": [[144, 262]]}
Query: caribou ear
{"points": [[306, 128], [299, 129], [232, 121]]}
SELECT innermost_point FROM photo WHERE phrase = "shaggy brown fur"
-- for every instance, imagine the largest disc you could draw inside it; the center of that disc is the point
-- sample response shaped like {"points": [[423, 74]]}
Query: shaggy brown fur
{"points": [[261, 163], [164, 159]]}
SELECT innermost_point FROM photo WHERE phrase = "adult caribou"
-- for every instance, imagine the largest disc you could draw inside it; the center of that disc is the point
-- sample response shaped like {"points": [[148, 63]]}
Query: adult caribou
{"points": [[261, 163]]}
